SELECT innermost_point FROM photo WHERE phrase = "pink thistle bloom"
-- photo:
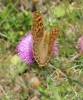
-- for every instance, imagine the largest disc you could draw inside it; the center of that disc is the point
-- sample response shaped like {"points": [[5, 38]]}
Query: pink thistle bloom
{"points": [[80, 45], [55, 49], [25, 50]]}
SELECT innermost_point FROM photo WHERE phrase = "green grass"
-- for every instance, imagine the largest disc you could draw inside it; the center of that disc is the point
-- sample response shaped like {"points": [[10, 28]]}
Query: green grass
{"points": [[62, 78]]}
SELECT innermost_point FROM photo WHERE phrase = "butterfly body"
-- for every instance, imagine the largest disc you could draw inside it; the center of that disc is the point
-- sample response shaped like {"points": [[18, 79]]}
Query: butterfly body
{"points": [[43, 41]]}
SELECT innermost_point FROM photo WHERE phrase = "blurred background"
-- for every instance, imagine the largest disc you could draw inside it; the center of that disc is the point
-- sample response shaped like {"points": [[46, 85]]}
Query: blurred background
{"points": [[62, 79]]}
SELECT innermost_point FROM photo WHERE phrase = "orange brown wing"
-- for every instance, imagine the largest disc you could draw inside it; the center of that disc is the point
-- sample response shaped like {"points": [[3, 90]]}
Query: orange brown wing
{"points": [[52, 37], [37, 33], [38, 27]]}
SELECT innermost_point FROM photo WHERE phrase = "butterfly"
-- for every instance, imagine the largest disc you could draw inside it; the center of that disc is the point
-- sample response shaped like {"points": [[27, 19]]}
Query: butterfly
{"points": [[43, 40]]}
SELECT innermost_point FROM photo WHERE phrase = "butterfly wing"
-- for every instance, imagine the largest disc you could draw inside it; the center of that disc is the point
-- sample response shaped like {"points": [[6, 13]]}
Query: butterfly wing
{"points": [[42, 50], [37, 33], [38, 27], [52, 37]]}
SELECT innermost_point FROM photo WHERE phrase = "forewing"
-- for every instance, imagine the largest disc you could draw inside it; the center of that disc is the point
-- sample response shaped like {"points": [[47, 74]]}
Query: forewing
{"points": [[38, 27], [37, 33], [52, 37]]}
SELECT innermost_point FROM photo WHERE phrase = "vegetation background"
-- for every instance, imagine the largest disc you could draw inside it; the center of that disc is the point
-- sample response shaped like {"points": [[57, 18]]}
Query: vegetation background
{"points": [[62, 79]]}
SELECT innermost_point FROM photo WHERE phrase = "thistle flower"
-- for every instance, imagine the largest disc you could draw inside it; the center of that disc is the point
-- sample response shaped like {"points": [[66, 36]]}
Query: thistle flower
{"points": [[80, 45], [24, 49], [80, 49], [55, 49]]}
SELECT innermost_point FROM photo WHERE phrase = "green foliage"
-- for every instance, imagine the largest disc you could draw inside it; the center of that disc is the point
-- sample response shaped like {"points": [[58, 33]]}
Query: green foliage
{"points": [[52, 92], [14, 23], [15, 60], [58, 11]]}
